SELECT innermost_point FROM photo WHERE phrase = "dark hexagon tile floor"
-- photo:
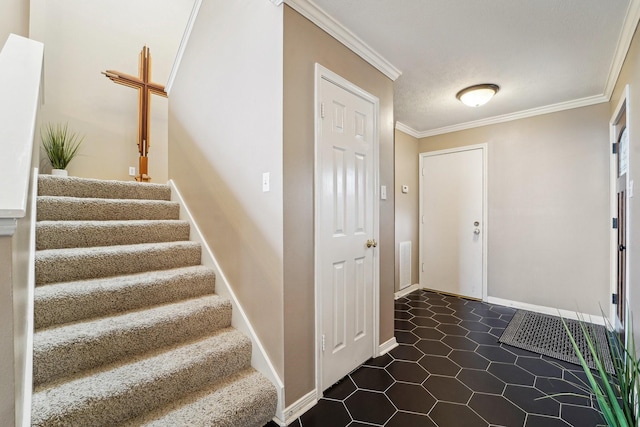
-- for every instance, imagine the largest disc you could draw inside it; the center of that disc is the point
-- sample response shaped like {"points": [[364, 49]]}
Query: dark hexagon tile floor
{"points": [[450, 371]]}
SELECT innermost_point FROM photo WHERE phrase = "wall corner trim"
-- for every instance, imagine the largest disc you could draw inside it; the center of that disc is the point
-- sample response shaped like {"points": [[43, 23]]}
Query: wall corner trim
{"points": [[297, 408], [312, 12], [567, 314], [406, 291], [622, 48], [408, 130], [183, 45], [387, 346]]}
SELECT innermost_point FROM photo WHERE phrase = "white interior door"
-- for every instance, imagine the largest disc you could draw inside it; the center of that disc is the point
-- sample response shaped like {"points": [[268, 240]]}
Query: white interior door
{"points": [[345, 222], [453, 224]]}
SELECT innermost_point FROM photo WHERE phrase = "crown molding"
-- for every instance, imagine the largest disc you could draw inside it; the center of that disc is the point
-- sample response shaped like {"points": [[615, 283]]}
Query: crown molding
{"points": [[312, 12], [408, 130], [561, 106], [624, 42], [277, 2]]}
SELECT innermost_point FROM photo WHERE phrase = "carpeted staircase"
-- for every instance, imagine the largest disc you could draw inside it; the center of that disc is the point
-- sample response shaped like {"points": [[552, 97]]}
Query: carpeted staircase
{"points": [[129, 330]]}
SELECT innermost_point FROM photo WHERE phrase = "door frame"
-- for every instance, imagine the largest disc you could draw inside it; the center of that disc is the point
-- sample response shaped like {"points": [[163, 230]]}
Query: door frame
{"points": [[622, 108], [322, 73], [485, 229]]}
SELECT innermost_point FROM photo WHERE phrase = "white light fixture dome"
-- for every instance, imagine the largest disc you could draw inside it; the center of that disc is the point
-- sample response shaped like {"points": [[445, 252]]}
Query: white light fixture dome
{"points": [[477, 95]]}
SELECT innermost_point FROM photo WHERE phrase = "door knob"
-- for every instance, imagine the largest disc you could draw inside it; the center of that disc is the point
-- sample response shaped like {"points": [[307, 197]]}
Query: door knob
{"points": [[621, 248], [371, 243], [476, 231]]}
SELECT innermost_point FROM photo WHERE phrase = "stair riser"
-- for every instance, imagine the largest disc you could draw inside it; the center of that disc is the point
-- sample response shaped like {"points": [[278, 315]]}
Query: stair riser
{"points": [[247, 399], [70, 209], [82, 187], [109, 410], [65, 265], [86, 300], [51, 363], [76, 234]]}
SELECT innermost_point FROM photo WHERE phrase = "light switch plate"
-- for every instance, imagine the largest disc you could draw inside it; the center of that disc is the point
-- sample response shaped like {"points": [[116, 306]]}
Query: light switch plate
{"points": [[383, 192], [265, 182]]}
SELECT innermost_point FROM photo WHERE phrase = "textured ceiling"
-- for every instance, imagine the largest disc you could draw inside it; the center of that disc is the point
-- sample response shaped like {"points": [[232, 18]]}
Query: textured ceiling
{"points": [[540, 52]]}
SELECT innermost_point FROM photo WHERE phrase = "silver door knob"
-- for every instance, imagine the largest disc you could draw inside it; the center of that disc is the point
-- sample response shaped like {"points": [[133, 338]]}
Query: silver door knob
{"points": [[476, 231]]}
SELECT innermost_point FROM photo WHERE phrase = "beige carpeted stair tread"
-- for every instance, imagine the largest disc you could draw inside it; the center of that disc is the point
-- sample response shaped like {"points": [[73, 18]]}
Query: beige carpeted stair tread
{"points": [[69, 349], [66, 302], [82, 234], [246, 399], [53, 208], [109, 397], [126, 319], [85, 187], [57, 265]]}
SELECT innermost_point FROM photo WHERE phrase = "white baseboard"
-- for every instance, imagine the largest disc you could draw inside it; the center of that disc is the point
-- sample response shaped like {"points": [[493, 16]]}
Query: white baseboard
{"points": [[567, 314], [239, 320], [387, 346], [297, 408], [406, 291]]}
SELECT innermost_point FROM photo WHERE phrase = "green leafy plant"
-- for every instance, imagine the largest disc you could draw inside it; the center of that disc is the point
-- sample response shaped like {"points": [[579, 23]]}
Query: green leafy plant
{"points": [[616, 394], [60, 144]]}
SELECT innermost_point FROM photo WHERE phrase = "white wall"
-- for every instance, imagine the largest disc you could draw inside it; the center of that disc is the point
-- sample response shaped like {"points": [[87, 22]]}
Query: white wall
{"points": [[83, 38], [225, 131]]}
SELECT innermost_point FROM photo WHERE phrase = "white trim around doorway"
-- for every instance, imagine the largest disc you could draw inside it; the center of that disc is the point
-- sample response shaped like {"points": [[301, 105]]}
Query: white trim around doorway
{"points": [[322, 73], [485, 190]]}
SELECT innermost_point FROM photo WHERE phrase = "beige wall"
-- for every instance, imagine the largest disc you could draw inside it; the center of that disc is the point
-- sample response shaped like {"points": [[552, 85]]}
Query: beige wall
{"points": [[83, 38], [406, 163], [630, 75], [304, 45], [225, 130], [548, 213], [14, 18]]}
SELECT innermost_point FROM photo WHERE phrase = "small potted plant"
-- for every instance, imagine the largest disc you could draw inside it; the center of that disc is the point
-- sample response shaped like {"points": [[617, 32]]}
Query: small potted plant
{"points": [[60, 145]]}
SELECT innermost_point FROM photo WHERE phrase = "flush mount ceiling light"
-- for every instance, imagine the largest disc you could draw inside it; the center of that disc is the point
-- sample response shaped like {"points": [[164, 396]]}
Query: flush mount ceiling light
{"points": [[477, 95]]}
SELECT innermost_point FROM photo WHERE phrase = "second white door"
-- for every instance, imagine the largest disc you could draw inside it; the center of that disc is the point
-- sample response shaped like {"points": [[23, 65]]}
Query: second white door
{"points": [[453, 226], [346, 221]]}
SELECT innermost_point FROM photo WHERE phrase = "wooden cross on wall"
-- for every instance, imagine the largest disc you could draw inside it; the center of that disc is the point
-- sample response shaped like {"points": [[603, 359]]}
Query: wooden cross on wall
{"points": [[145, 90]]}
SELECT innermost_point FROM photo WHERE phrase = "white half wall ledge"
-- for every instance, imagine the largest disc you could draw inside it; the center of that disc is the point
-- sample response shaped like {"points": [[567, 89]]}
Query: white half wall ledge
{"points": [[20, 76]]}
